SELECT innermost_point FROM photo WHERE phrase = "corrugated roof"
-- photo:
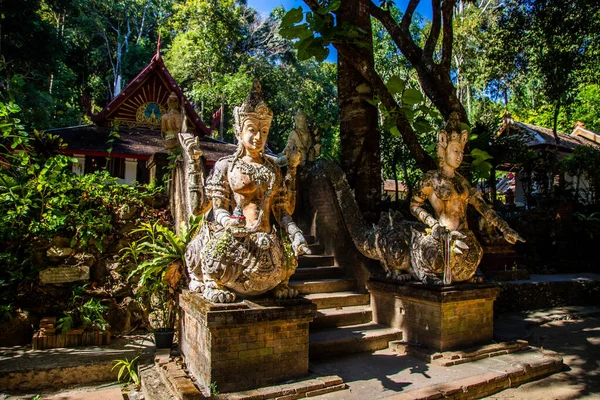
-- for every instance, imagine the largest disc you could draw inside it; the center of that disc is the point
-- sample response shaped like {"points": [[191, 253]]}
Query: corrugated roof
{"points": [[541, 137]]}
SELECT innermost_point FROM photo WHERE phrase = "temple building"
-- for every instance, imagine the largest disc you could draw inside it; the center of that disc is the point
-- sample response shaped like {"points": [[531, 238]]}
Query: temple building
{"points": [[126, 134], [538, 139]]}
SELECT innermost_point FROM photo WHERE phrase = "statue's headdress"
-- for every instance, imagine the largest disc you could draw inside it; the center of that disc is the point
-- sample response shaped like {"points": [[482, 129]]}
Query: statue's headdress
{"points": [[452, 133], [173, 98], [253, 107]]}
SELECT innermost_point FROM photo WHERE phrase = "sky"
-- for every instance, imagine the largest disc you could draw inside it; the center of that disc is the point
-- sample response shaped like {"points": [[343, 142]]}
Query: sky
{"points": [[265, 7]]}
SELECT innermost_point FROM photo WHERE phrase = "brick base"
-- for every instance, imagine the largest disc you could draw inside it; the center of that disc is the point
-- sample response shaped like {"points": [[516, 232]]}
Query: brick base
{"points": [[245, 345], [441, 318]]}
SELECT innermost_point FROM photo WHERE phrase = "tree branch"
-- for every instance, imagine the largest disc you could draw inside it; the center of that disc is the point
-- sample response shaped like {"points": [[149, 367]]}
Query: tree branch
{"points": [[434, 34], [448, 35], [401, 38], [408, 15]]}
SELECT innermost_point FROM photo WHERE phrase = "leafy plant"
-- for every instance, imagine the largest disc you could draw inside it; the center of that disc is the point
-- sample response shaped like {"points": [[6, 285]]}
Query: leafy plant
{"points": [[128, 371], [158, 258], [213, 388], [65, 323], [87, 314]]}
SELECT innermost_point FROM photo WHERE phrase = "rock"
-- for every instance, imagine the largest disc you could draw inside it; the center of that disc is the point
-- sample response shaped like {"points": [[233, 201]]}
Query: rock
{"points": [[60, 241], [64, 275], [126, 212], [18, 331], [124, 317], [100, 271], [156, 201], [85, 259], [59, 252]]}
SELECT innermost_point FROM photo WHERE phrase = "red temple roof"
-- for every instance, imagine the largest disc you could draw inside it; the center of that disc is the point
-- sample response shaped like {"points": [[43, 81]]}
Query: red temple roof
{"points": [[144, 100]]}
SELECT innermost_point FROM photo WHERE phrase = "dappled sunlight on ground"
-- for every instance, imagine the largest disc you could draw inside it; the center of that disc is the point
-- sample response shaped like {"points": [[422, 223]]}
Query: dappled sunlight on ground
{"points": [[577, 341]]}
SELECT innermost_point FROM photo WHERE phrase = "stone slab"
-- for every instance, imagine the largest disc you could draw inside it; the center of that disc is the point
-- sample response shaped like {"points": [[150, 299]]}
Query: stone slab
{"points": [[64, 274], [450, 358], [386, 374], [22, 368]]}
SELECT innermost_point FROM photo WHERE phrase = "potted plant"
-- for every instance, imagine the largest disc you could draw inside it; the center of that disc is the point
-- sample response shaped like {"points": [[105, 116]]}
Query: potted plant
{"points": [[158, 258]]}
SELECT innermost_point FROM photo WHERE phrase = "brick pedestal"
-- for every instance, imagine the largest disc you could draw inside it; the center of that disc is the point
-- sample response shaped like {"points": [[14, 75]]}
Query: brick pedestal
{"points": [[440, 318], [244, 345]]}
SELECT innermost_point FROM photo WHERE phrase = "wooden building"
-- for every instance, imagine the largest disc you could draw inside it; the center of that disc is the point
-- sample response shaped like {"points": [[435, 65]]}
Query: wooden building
{"points": [[127, 132]]}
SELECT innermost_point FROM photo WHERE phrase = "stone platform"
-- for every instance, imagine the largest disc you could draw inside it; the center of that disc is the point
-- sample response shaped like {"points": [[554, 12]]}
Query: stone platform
{"points": [[438, 317], [245, 345], [23, 369]]}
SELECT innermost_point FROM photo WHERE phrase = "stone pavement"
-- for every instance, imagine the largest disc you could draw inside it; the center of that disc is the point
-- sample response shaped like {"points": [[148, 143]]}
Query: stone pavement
{"points": [[573, 332]]}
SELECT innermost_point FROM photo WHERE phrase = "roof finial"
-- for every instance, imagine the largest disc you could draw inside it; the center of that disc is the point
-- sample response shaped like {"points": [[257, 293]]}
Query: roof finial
{"points": [[157, 56]]}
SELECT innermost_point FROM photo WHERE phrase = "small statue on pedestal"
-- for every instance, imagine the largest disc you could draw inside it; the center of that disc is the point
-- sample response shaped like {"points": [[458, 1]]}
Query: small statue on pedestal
{"points": [[171, 122]]}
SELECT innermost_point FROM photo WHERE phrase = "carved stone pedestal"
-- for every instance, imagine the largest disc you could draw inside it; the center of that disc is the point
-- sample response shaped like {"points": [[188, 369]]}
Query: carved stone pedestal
{"points": [[440, 318], [244, 345]]}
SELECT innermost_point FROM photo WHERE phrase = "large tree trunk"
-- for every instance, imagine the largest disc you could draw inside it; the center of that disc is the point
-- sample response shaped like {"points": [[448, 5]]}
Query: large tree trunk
{"points": [[359, 135]]}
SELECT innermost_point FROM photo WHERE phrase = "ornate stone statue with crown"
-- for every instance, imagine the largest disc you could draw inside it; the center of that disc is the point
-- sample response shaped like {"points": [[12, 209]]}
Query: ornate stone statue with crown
{"points": [[249, 243]]}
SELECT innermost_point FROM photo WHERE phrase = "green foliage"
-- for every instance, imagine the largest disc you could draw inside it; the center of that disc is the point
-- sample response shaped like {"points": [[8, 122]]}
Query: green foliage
{"points": [[40, 199], [157, 258], [128, 371], [584, 165], [65, 323], [87, 314], [214, 390]]}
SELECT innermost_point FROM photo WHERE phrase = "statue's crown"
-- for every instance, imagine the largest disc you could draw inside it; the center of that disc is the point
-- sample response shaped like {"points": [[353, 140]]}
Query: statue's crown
{"points": [[254, 106], [453, 132]]}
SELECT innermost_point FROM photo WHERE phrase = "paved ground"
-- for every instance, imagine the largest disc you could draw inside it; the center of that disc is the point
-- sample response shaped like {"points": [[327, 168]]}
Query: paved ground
{"points": [[578, 342], [574, 332]]}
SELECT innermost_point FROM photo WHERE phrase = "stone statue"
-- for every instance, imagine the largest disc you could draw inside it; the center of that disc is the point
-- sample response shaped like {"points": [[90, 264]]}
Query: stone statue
{"points": [[449, 248], [300, 139], [443, 250], [171, 122], [315, 150], [239, 251]]}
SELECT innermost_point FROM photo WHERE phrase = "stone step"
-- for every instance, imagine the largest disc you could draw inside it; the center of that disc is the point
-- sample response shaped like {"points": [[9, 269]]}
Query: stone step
{"points": [[314, 260], [314, 273], [308, 286], [351, 339], [316, 249], [338, 299], [341, 316]]}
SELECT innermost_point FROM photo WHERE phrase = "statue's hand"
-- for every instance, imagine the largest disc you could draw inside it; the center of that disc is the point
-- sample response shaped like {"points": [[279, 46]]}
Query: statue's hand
{"points": [[299, 245], [511, 236], [293, 155]]}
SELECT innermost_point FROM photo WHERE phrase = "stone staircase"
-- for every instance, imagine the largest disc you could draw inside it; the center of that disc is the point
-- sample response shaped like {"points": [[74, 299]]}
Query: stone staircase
{"points": [[344, 322]]}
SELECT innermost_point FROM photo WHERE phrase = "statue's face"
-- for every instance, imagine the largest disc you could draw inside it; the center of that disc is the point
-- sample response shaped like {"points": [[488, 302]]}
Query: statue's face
{"points": [[254, 134], [454, 154]]}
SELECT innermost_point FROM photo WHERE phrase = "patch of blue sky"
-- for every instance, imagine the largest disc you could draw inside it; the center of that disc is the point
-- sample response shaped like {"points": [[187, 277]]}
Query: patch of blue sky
{"points": [[265, 6]]}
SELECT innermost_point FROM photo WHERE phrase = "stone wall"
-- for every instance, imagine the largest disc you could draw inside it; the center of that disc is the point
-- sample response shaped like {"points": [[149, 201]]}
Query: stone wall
{"points": [[520, 296], [244, 345], [442, 318]]}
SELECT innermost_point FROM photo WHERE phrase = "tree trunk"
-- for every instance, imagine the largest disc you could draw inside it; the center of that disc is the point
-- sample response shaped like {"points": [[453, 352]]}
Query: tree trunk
{"points": [[359, 134], [492, 184]]}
